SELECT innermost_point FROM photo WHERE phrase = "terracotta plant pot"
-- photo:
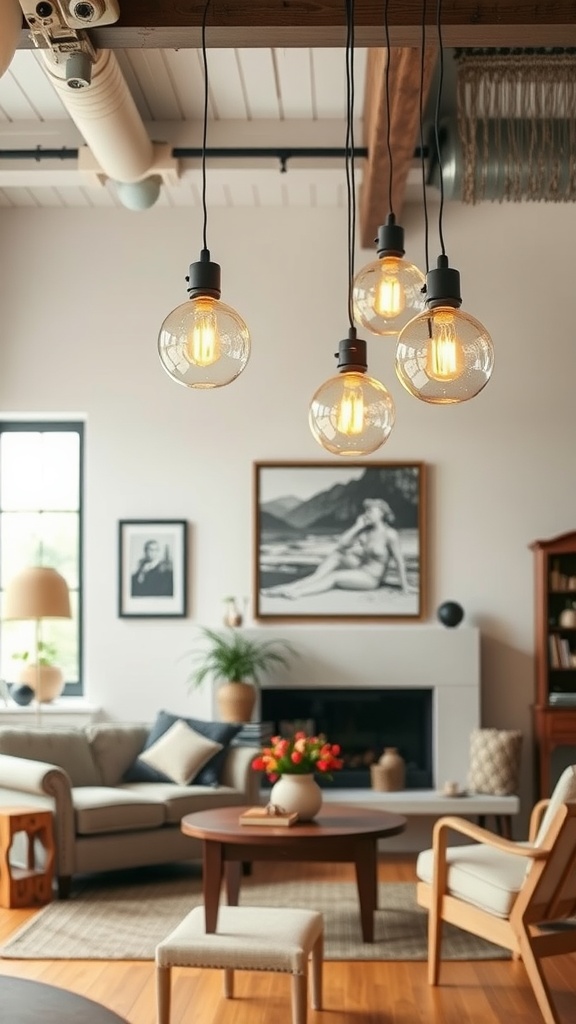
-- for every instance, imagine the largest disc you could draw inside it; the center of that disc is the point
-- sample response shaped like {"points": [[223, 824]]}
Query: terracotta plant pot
{"points": [[236, 701], [47, 681]]}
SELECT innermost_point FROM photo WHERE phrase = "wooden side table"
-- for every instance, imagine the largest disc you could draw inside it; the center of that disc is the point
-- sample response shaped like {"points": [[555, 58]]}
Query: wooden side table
{"points": [[30, 885]]}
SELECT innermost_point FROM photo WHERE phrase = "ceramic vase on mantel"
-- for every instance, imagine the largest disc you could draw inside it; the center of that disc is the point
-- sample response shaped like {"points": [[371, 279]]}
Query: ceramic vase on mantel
{"points": [[300, 793], [389, 775]]}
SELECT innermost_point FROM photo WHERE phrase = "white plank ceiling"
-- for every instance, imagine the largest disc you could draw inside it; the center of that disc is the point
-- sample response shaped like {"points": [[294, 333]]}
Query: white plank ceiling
{"points": [[277, 98]]}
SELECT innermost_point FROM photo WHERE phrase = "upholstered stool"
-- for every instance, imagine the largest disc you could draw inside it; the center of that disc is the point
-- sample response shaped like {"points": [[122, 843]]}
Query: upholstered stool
{"points": [[248, 939]]}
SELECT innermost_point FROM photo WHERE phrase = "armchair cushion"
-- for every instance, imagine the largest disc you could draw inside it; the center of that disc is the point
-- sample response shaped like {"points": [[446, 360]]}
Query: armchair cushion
{"points": [[564, 790], [480, 875]]}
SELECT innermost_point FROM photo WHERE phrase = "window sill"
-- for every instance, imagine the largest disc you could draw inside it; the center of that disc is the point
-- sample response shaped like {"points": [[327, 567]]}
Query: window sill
{"points": [[73, 711]]}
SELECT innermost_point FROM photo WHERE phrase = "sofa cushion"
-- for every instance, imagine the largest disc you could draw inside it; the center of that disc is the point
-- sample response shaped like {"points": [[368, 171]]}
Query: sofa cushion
{"points": [[180, 800], [180, 753], [220, 732], [114, 747], [480, 875], [100, 809], [67, 748]]}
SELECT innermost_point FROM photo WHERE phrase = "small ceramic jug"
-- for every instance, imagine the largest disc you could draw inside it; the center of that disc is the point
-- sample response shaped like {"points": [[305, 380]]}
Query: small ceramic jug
{"points": [[568, 617]]}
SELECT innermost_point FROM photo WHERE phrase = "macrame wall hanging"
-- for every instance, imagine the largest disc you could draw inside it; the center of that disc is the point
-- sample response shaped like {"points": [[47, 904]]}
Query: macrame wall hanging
{"points": [[517, 124]]}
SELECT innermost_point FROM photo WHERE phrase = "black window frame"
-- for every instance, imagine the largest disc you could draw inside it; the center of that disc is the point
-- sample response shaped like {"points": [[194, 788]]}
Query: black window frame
{"points": [[73, 688]]}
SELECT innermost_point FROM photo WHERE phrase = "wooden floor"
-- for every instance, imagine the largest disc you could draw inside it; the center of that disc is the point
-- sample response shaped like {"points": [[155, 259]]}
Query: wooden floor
{"points": [[482, 992]]}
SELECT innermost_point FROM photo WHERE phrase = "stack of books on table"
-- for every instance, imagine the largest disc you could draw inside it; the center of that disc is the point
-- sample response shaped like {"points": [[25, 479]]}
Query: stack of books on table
{"points": [[263, 816], [254, 734]]}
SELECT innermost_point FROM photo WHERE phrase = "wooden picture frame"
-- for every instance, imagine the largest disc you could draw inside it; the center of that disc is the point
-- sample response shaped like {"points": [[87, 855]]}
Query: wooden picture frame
{"points": [[152, 568], [344, 542]]}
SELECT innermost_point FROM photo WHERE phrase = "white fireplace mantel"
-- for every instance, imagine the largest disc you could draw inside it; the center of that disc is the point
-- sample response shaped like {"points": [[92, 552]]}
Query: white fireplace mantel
{"points": [[395, 657]]}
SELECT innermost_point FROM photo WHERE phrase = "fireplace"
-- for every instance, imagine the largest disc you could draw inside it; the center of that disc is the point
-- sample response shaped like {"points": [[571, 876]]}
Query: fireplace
{"points": [[363, 722]]}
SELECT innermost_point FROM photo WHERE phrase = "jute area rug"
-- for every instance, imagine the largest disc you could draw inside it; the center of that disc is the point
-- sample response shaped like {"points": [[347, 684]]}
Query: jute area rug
{"points": [[126, 921]]}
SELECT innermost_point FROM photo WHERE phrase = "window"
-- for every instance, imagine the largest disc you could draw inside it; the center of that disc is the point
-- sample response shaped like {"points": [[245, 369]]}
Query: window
{"points": [[41, 468]]}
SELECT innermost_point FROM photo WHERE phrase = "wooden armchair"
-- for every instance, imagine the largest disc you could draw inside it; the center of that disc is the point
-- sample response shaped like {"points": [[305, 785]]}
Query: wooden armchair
{"points": [[517, 895]]}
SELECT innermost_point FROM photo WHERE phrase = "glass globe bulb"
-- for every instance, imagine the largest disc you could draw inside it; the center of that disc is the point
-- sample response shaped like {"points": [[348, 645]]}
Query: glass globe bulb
{"points": [[351, 414], [387, 294], [203, 343], [444, 356]]}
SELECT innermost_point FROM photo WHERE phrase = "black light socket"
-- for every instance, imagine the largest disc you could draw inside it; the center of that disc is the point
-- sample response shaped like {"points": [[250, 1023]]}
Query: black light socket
{"points": [[443, 285], [204, 277], [351, 354], [390, 241]]}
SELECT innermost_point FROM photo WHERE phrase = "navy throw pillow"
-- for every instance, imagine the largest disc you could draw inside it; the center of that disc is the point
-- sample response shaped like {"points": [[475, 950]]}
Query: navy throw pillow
{"points": [[209, 775]]}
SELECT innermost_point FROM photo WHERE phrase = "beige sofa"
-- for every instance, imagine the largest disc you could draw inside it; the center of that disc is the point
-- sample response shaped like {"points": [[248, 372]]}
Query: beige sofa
{"points": [[100, 822]]}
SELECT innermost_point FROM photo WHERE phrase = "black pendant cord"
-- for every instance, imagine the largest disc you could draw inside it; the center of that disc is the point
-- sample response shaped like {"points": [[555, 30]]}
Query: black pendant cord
{"points": [[387, 81], [204, 128], [350, 177], [422, 158], [437, 122]]}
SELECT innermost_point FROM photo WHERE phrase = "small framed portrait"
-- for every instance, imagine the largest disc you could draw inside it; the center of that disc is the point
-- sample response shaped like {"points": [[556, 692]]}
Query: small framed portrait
{"points": [[339, 542], [152, 560]]}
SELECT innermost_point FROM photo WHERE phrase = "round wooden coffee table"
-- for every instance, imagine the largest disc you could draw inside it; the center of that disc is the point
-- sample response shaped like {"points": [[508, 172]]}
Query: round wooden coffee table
{"points": [[27, 1002], [339, 833]]}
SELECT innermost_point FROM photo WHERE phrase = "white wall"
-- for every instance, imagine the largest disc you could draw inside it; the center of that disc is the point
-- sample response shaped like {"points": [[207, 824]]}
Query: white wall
{"points": [[82, 296]]}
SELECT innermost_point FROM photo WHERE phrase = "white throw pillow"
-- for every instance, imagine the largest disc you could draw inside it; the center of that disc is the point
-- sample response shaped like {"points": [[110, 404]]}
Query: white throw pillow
{"points": [[180, 753], [565, 789]]}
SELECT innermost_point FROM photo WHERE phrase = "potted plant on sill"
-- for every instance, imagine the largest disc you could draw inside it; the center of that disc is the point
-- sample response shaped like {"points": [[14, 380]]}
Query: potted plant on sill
{"points": [[237, 664], [43, 676]]}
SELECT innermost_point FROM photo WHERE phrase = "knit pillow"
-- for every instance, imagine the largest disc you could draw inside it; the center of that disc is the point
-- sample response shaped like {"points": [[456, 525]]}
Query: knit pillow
{"points": [[494, 761]]}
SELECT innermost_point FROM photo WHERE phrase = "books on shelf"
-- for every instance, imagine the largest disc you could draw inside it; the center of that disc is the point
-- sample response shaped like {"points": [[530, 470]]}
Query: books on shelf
{"points": [[263, 816], [560, 654]]}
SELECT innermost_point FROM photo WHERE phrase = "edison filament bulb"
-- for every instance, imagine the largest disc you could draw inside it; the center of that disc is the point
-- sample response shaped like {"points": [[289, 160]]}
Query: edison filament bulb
{"points": [[388, 292], [444, 355], [204, 343], [351, 413]]}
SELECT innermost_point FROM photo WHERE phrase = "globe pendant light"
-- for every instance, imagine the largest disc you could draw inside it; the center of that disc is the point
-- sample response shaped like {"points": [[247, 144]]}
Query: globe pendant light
{"points": [[444, 355], [204, 343], [388, 292], [351, 413]]}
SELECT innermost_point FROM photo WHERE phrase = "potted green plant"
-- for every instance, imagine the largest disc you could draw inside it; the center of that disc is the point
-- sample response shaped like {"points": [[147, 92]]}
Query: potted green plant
{"points": [[238, 663], [43, 675]]}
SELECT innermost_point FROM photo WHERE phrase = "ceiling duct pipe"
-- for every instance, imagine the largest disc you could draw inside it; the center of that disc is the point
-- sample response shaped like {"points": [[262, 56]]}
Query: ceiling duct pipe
{"points": [[10, 27], [105, 113], [513, 160], [514, 136]]}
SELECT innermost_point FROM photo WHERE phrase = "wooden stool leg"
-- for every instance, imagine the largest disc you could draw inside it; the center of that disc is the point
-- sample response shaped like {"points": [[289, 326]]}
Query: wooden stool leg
{"points": [[163, 993], [317, 970], [299, 998], [228, 983]]}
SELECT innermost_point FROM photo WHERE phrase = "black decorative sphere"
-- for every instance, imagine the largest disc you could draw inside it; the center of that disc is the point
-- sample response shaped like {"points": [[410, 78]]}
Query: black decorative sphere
{"points": [[22, 694], [450, 613]]}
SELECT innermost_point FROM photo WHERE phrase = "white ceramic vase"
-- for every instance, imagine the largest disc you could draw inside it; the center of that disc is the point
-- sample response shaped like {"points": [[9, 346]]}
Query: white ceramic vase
{"points": [[300, 793]]}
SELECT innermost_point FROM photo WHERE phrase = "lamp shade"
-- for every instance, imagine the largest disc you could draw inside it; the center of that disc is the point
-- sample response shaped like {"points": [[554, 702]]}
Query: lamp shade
{"points": [[38, 592]]}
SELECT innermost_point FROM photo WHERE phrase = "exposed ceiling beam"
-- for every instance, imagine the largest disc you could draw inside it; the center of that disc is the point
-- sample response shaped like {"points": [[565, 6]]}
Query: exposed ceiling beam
{"points": [[404, 91], [239, 23]]}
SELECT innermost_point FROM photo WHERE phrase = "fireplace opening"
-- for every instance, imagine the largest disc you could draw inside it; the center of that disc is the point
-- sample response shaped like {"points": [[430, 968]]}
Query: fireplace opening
{"points": [[363, 722]]}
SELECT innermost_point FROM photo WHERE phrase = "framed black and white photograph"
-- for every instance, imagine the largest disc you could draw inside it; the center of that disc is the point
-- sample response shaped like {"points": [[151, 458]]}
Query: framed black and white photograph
{"points": [[339, 542], [152, 559]]}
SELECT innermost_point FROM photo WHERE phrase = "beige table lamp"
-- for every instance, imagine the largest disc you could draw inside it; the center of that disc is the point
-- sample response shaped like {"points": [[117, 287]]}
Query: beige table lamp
{"points": [[37, 593]]}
